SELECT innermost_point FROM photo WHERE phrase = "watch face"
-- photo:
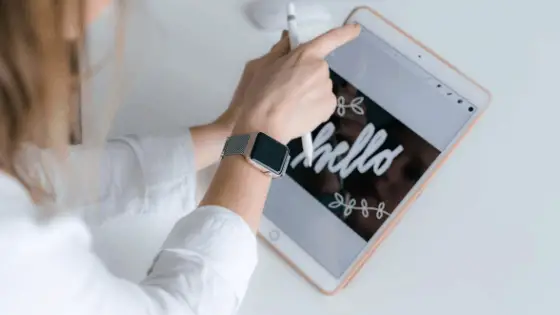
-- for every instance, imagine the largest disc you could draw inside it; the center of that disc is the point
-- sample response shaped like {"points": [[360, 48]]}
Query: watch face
{"points": [[269, 152]]}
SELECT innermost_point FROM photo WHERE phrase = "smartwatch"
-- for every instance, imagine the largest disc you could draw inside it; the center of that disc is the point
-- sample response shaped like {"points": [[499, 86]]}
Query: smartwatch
{"points": [[263, 152]]}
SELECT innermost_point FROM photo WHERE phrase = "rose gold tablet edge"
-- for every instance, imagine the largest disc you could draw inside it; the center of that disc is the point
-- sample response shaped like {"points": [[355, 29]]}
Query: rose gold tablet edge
{"points": [[358, 265]]}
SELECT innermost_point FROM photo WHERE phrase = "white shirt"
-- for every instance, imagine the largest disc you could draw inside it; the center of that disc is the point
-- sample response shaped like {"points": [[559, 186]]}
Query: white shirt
{"points": [[47, 265]]}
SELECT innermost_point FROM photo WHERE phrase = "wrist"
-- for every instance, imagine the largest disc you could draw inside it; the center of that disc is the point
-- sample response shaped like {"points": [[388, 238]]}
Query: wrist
{"points": [[241, 164], [263, 152], [224, 124], [245, 127]]}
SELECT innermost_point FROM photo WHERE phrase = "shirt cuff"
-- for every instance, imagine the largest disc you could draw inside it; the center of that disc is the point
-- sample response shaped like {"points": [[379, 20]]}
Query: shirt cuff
{"points": [[166, 159], [216, 238]]}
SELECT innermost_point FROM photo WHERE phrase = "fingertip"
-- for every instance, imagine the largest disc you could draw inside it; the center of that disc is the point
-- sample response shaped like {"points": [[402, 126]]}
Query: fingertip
{"points": [[326, 43], [354, 29]]}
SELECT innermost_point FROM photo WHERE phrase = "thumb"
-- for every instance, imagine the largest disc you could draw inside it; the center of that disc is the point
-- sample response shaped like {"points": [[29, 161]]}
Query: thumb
{"points": [[282, 47]]}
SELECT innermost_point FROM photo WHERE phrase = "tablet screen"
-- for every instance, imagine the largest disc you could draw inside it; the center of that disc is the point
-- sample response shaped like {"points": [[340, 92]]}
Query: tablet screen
{"points": [[368, 156], [366, 161]]}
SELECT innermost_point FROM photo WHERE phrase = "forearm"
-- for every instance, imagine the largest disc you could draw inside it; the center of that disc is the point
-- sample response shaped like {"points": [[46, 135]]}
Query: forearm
{"points": [[208, 143], [239, 187]]}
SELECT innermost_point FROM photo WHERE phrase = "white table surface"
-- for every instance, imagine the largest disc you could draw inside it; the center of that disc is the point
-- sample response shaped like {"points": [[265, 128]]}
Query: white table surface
{"points": [[482, 239]]}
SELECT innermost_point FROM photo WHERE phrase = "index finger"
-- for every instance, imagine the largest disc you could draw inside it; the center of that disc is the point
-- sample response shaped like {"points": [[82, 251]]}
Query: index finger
{"points": [[326, 43]]}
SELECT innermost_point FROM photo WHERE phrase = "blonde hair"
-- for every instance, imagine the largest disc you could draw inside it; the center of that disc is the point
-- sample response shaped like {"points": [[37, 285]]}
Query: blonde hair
{"points": [[41, 48], [37, 41]]}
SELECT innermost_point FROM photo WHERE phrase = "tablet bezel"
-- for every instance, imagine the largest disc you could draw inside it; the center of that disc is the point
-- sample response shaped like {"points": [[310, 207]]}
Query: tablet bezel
{"points": [[448, 75]]}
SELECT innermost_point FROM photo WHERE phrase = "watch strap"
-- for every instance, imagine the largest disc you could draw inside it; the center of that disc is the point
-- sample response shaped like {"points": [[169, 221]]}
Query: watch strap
{"points": [[236, 145]]}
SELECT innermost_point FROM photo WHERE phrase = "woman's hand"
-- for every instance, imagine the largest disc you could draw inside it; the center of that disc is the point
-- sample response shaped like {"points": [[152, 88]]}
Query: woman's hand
{"points": [[229, 118], [292, 94], [285, 98], [209, 139]]}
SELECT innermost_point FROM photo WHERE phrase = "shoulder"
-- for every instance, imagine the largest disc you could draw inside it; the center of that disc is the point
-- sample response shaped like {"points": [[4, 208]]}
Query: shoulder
{"points": [[38, 254], [22, 226], [14, 198]]}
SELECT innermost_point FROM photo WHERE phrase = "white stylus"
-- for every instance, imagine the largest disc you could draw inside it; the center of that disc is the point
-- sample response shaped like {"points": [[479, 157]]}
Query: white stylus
{"points": [[306, 139]]}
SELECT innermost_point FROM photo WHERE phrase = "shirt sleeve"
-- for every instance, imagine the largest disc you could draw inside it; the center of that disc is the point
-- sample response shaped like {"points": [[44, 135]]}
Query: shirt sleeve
{"points": [[132, 175], [204, 269]]}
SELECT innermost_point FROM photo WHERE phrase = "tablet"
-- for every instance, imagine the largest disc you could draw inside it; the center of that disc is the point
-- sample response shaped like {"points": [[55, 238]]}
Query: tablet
{"points": [[401, 110]]}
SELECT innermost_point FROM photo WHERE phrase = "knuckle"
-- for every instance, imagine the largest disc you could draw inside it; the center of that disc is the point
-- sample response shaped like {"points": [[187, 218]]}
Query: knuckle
{"points": [[328, 87], [252, 64], [327, 114], [324, 66], [332, 100], [306, 51], [328, 108], [304, 55]]}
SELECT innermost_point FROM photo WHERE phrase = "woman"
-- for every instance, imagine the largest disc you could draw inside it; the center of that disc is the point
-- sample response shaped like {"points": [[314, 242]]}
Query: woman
{"points": [[47, 265]]}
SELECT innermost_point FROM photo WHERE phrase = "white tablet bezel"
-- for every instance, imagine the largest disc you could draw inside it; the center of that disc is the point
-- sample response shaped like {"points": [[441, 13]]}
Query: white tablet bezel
{"points": [[447, 75]]}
